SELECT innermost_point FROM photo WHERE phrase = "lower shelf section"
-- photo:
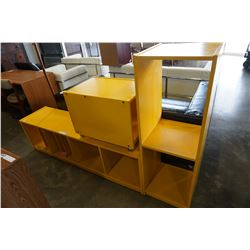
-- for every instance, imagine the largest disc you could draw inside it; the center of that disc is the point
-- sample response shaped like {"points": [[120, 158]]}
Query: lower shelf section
{"points": [[171, 185], [93, 165], [126, 173]]}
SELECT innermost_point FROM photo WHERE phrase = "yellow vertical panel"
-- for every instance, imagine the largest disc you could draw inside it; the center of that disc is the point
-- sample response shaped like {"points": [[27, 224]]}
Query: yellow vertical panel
{"points": [[148, 81], [213, 81], [151, 165], [110, 159]]}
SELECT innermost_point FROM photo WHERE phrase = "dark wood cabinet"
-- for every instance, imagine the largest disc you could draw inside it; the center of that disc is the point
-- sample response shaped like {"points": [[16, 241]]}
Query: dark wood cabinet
{"points": [[12, 53], [19, 188], [115, 54]]}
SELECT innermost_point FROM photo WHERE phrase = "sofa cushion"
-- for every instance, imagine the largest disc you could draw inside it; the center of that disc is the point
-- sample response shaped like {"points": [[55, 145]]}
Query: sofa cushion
{"points": [[186, 72], [179, 111], [73, 81], [70, 73], [57, 69], [175, 105], [128, 69], [82, 60], [114, 69]]}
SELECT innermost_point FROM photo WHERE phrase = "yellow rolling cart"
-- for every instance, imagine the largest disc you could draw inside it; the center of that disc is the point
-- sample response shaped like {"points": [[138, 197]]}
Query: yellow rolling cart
{"points": [[104, 112]]}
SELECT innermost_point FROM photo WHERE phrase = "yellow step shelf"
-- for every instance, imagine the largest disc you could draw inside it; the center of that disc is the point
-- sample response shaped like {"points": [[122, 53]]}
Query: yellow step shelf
{"points": [[124, 104], [51, 131], [175, 138]]}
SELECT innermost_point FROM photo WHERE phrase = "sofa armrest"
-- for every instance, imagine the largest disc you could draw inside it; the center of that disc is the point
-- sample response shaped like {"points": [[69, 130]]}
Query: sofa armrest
{"points": [[70, 73]]}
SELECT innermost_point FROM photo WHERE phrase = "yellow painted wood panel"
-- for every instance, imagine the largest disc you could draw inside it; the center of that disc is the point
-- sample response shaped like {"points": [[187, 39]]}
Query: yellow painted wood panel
{"points": [[122, 89], [179, 51], [103, 119], [109, 159], [148, 78], [175, 138], [151, 165], [171, 185], [126, 173]]}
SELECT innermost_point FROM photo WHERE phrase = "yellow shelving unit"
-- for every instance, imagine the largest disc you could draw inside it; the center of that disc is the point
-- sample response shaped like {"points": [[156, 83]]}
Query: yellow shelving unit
{"points": [[136, 111], [51, 131], [165, 181]]}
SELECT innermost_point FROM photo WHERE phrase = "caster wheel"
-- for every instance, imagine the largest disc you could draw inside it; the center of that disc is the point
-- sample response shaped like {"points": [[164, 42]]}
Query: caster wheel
{"points": [[246, 64]]}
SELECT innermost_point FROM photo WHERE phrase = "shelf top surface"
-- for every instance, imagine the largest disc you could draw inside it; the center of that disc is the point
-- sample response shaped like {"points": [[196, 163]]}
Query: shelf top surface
{"points": [[182, 51], [59, 121], [121, 89], [175, 138]]}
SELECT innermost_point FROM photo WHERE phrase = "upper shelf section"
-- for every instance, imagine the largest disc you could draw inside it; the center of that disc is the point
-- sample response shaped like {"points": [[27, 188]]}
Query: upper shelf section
{"points": [[182, 51]]}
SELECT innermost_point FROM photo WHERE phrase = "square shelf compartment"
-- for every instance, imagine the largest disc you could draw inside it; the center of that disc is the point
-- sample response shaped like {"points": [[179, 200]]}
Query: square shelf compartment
{"points": [[171, 185], [85, 156], [34, 135], [121, 169]]}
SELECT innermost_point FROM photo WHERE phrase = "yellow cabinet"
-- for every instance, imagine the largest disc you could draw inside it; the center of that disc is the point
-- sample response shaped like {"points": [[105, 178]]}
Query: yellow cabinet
{"points": [[104, 109]]}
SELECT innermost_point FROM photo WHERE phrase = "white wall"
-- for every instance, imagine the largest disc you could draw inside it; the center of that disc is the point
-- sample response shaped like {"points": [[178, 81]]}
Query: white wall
{"points": [[31, 53]]}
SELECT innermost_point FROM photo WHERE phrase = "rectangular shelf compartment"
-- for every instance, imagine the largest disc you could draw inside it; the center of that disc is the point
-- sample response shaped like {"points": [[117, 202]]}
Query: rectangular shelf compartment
{"points": [[121, 169], [174, 138], [171, 185], [34, 135], [85, 156]]}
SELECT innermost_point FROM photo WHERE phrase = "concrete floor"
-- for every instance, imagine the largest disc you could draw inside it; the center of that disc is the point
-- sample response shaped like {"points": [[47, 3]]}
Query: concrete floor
{"points": [[224, 179]]}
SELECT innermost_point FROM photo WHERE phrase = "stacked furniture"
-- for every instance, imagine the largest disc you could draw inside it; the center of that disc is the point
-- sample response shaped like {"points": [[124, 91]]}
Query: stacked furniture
{"points": [[93, 65], [166, 160]]}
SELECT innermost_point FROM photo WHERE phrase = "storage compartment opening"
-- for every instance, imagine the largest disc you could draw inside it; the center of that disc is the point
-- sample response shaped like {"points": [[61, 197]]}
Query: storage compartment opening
{"points": [[34, 136], [177, 161], [55, 143], [172, 185], [121, 169], [85, 155]]}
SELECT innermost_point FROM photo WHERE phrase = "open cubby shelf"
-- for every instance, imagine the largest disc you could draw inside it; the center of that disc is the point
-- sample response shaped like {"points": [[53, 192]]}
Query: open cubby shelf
{"points": [[113, 162], [171, 185], [125, 172], [121, 169], [175, 138]]}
